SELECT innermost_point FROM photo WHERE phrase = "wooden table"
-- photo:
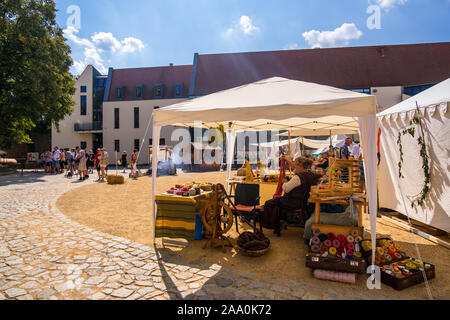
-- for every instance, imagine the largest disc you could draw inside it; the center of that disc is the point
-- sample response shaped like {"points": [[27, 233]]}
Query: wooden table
{"points": [[333, 198]]}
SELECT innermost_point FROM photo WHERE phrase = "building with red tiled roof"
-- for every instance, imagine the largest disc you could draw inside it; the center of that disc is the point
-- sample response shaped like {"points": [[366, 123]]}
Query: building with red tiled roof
{"points": [[362, 68]]}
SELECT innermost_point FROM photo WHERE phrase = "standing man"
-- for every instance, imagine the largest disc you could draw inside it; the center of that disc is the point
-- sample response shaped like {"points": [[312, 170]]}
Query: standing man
{"points": [[81, 158], [104, 162], [56, 160], [345, 150], [356, 151]]}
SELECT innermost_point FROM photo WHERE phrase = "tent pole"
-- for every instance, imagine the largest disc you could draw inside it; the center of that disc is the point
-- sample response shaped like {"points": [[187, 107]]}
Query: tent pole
{"points": [[303, 146], [290, 154]]}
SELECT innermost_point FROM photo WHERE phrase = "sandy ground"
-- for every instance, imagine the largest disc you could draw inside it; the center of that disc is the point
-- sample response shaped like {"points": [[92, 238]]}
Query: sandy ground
{"points": [[126, 211]]}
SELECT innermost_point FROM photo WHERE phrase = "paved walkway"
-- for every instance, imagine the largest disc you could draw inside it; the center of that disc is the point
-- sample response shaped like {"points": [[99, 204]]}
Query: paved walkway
{"points": [[44, 255]]}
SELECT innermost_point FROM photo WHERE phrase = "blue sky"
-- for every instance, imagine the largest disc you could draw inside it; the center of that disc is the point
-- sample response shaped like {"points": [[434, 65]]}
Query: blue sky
{"points": [[145, 33]]}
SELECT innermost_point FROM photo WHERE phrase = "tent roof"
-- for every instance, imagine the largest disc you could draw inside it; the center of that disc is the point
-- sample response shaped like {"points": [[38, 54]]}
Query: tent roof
{"points": [[274, 103], [436, 95]]}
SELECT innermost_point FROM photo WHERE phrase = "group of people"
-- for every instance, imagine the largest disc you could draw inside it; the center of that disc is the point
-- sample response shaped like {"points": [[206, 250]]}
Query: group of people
{"points": [[76, 162]]}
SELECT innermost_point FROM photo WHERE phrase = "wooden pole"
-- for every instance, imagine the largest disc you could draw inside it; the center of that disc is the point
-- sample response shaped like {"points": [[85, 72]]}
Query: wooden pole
{"points": [[290, 154], [303, 146]]}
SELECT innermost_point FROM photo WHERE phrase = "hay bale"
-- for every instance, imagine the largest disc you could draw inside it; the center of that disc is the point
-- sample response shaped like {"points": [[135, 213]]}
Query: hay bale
{"points": [[115, 179]]}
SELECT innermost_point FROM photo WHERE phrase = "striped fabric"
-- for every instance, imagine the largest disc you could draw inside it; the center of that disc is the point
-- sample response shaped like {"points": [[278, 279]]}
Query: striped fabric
{"points": [[176, 216]]}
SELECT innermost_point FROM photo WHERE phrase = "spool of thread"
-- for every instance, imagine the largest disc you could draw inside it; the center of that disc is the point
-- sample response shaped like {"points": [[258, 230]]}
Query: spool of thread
{"points": [[328, 243], [358, 255], [358, 239], [351, 246], [334, 276], [315, 248], [340, 251], [392, 249], [392, 255], [341, 238], [350, 253], [316, 232], [331, 236], [390, 242], [315, 241], [323, 237], [336, 244], [350, 239], [344, 244], [387, 258], [380, 251], [332, 251], [354, 233], [398, 256]]}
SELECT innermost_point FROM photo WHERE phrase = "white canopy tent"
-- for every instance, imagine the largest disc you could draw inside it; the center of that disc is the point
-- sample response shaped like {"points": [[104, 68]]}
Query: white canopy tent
{"points": [[279, 103], [395, 193]]}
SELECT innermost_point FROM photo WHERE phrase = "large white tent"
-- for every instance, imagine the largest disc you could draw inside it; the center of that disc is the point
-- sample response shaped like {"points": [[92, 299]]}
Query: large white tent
{"points": [[279, 103], [395, 193]]}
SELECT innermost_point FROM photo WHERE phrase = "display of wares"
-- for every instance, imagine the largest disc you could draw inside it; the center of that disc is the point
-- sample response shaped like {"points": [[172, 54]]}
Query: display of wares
{"points": [[189, 189]]}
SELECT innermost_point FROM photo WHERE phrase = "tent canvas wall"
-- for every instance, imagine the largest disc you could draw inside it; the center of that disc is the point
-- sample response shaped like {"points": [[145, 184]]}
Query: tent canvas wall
{"points": [[395, 193], [279, 103]]}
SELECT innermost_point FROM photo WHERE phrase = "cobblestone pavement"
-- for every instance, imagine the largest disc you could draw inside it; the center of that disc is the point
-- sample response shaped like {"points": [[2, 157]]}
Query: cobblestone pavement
{"points": [[46, 256]]}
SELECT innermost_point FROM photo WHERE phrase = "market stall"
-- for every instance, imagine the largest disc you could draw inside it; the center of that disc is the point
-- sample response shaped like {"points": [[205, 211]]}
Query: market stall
{"points": [[279, 103], [400, 193]]}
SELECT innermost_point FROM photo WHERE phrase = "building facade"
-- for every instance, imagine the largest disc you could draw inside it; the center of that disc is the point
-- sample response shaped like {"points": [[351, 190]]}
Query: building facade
{"points": [[114, 111]]}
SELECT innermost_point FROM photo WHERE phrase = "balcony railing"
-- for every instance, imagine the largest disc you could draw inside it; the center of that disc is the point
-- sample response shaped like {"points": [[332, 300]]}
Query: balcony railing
{"points": [[90, 126]]}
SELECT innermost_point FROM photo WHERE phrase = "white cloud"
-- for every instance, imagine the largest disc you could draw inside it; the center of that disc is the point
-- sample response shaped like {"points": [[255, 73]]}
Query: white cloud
{"points": [[244, 25], [130, 45], [101, 43], [247, 25], [388, 4], [291, 46], [105, 41], [339, 37]]}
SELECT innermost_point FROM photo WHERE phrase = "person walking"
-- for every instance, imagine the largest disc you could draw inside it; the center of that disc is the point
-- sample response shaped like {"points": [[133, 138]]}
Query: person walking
{"points": [[124, 161], [104, 162], [56, 157], [133, 164], [70, 162], [97, 164], [90, 163], [81, 158]]}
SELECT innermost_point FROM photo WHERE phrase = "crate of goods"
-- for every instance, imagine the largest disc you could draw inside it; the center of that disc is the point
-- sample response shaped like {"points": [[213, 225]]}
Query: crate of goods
{"points": [[387, 251], [336, 252], [406, 273]]}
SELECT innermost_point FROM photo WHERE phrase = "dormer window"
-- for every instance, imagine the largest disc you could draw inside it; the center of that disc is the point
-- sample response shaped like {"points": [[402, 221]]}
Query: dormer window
{"points": [[178, 90], [139, 92], [158, 91], [119, 93]]}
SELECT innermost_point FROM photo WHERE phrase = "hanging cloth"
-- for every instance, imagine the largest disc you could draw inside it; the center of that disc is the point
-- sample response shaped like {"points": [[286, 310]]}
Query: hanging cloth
{"points": [[279, 192]]}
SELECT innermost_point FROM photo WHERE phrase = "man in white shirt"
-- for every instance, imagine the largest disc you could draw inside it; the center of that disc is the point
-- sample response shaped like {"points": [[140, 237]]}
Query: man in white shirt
{"points": [[56, 157], [356, 151]]}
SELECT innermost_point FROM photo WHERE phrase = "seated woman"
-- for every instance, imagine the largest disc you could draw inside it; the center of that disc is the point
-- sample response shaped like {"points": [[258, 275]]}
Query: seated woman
{"points": [[294, 193]]}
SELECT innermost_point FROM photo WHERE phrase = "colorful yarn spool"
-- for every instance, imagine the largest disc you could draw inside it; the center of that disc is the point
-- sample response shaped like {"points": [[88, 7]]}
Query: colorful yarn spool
{"points": [[354, 233], [336, 244], [392, 249], [358, 239], [315, 248], [323, 237], [392, 255], [398, 256], [341, 238], [316, 232], [350, 239], [350, 253], [386, 243], [387, 258], [315, 241], [340, 251], [390, 242], [332, 251], [351, 246], [380, 251], [328, 243], [331, 236], [358, 255]]}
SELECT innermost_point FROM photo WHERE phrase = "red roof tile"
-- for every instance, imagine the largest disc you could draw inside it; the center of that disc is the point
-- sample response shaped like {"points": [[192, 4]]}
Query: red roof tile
{"points": [[349, 67], [150, 77]]}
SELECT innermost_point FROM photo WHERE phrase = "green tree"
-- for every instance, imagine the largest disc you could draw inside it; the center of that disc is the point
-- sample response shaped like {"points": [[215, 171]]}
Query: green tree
{"points": [[36, 86]]}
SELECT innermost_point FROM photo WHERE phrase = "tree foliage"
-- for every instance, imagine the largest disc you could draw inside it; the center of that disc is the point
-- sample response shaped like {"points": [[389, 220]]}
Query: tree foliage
{"points": [[36, 86]]}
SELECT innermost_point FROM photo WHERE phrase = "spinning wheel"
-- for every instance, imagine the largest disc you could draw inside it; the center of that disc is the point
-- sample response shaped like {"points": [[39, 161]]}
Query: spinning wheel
{"points": [[217, 218]]}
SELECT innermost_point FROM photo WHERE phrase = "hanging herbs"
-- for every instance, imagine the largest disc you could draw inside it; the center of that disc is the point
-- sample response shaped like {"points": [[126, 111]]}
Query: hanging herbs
{"points": [[422, 196]]}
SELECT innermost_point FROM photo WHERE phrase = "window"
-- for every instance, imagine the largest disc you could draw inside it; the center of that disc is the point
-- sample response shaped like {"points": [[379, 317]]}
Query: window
{"points": [[150, 142], [412, 91], [158, 91], [178, 90], [136, 144], [83, 105], [119, 93], [162, 142], [83, 89], [136, 118], [361, 90], [116, 118], [117, 145], [156, 107], [138, 92], [83, 145]]}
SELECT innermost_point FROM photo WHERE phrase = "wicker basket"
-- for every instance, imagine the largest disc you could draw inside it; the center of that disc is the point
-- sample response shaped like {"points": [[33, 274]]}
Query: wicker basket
{"points": [[253, 253]]}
